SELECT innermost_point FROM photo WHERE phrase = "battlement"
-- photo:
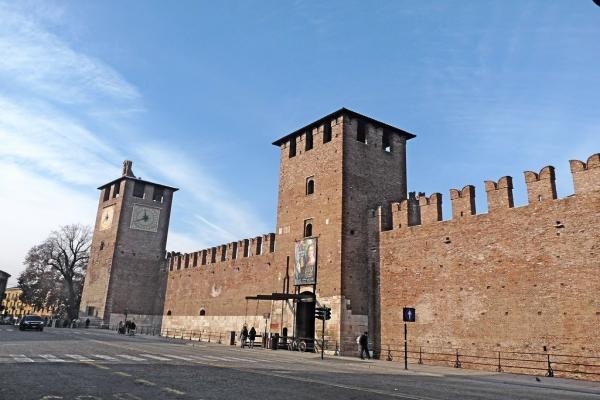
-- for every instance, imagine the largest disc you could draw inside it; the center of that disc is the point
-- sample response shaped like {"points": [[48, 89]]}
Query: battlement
{"points": [[586, 176], [541, 188], [256, 246]]}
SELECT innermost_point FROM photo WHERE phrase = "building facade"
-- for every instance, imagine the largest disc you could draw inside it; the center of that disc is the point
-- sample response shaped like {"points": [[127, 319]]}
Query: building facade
{"points": [[14, 307], [3, 281], [342, 202]]}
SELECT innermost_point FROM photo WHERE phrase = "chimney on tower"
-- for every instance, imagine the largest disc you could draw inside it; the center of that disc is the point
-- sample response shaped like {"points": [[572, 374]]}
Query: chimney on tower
{"points": [[127, 171]]}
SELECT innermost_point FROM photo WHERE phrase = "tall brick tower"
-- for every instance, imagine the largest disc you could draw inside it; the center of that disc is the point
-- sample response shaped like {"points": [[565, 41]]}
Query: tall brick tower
{"points": [[128, 251], [332, 172]]}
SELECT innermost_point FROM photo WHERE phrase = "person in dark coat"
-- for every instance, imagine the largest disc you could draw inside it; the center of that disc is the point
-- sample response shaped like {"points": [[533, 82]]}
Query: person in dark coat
{"points": [[364, 345], [252, 337], [244, 335]]}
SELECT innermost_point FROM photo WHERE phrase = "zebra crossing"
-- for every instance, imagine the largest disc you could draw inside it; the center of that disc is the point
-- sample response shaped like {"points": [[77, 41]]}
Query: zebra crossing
{"points": [[120, 358]]}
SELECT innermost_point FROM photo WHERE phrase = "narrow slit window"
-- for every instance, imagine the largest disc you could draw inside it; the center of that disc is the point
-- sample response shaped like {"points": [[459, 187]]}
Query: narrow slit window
{"points": [[310, 186], [386, 142], [327, 132], [308, 144], [293, 147], [361, 132]]}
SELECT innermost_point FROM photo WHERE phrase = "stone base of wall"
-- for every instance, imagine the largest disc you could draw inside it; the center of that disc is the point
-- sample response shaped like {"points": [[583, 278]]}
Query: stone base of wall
{"points": [[141, 320]]}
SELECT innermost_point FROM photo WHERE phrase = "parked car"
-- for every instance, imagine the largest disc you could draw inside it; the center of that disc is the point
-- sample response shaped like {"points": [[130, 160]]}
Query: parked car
{"points": [[31, 322]]}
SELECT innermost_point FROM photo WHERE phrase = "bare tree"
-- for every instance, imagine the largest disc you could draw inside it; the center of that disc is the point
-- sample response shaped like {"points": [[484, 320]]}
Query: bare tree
{"points": [[55, 270]]}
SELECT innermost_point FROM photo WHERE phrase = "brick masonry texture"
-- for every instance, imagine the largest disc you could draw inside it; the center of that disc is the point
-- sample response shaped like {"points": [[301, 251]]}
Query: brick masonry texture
{"points": [[513, 279]]}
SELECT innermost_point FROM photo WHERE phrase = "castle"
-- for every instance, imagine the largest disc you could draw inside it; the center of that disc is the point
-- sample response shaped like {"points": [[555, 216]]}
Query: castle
{"points": [[348, 237]]}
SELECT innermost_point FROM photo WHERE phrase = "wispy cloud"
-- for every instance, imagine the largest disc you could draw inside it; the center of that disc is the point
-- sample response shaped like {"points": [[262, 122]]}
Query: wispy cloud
{"points": [[67, 119]]}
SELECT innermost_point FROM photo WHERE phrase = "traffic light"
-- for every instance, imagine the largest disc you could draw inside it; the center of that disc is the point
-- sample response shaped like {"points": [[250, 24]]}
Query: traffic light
{"points": [[327, 313], [319, 313]]}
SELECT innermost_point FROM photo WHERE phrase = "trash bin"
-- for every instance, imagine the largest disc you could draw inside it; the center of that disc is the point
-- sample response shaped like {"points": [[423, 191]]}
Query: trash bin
{"points": [[232, 338], [274, 341]]}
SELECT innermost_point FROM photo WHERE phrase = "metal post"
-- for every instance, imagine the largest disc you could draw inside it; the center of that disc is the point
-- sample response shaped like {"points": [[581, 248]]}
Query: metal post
{"points": [[323, 337], [550, 372], [420, 355], [405, 346], [499, 369], [457, 363]]}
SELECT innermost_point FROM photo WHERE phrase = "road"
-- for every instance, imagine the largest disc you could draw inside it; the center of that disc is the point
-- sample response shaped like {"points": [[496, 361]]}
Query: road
{"points": [[97, 364]]}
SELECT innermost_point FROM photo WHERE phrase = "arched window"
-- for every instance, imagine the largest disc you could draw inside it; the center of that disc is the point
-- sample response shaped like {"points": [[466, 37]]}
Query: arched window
{"points": [[169, 312], [310, 185], [202, 311], [308, 230]]}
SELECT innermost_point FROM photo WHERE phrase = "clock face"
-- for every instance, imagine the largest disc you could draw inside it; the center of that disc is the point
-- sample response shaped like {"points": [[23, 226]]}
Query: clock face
{"points": [[107, 217], [145, 218]]}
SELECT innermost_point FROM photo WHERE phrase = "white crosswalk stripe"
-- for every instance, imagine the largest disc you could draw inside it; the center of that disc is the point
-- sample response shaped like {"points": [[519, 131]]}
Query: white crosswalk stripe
{"points": [[179, 357], [79, 357], [21, 358], [132, 358], [240, 359], [155, 357], [52, 358], [103, 357], [215, 358]]}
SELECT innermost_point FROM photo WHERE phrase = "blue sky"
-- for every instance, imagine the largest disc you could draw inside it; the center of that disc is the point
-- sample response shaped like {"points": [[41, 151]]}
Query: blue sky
{"points": [[194, 92]]}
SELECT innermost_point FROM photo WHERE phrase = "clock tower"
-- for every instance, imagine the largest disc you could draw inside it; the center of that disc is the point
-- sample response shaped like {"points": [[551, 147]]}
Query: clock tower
{"points": [[127, 257]]}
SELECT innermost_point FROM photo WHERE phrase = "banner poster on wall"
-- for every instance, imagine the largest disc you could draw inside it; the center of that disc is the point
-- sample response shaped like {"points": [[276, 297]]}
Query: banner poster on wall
{"points": [[305, 263]]}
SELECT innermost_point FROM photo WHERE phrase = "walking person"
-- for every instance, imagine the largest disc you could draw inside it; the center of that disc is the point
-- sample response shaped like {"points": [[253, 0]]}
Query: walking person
{"points": [[243, 336], [87, 323], [364, 345], [252, 336]]}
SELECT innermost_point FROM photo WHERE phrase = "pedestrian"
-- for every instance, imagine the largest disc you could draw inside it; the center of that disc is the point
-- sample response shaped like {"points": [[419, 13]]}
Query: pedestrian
{"points": [[87, 323], [243, 336], [132, 328], [364, 345], [252, 336], [121, 329]]}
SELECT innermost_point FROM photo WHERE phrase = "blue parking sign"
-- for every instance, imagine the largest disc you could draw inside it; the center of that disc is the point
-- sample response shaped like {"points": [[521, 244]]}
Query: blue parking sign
{"points": [[408, 314]]}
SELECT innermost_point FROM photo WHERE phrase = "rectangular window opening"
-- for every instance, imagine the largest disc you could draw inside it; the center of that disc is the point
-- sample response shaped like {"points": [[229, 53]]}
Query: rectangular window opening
{"points": [[106, 193], [116, 190], [361, 132], [308, 144], [386, 142], [138, 190], [327, 132], [158, 194], [293, 147]]}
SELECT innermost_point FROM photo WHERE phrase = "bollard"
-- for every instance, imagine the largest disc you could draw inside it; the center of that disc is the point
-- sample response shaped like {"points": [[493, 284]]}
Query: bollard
{"points": [[420, 355]]}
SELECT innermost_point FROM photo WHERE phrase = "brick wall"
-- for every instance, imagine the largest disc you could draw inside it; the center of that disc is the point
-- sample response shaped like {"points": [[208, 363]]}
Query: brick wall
{"points": [[513, 279]]}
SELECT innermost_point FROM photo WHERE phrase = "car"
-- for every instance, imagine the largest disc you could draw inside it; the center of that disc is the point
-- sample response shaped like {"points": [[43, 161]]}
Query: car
{"points": [[31, 322]]}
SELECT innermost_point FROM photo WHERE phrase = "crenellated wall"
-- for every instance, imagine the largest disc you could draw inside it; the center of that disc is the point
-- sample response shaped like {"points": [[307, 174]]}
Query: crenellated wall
{"points": [[205, 290], [517, 278]]}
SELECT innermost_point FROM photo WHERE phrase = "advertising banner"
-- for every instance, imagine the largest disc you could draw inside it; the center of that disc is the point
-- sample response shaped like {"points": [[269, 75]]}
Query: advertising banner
{"points": [[305, 263]]}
